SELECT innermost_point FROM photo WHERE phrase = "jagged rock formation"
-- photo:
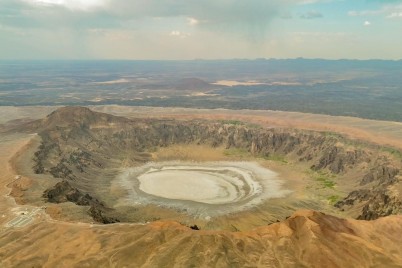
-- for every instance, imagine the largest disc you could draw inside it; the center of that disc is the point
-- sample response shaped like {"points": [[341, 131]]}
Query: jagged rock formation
{"points": [[63, 192], [377, 201], [98, 213], [77, 142]]}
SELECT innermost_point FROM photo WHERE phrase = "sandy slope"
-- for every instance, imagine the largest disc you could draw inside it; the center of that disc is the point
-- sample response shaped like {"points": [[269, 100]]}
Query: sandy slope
{"points": [[307, 239], [10, 145]]}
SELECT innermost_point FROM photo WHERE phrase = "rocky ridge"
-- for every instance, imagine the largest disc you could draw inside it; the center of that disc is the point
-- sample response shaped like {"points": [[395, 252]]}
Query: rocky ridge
{"points": [[77, 141]]}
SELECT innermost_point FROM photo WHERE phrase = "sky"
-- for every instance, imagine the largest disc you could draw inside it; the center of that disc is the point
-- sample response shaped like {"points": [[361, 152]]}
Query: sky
{"points": [[200, 29]]}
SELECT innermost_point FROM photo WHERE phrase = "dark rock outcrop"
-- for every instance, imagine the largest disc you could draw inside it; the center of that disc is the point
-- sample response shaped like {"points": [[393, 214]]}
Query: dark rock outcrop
{"points": [[99, 215], [64, 192], [378, 201], [195, 227], [354, 197], [380, 205], [381, 175]]}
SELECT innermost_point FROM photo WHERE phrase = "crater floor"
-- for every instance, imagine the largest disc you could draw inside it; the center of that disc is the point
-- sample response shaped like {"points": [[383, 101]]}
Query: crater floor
{"points": [[211, 187]]}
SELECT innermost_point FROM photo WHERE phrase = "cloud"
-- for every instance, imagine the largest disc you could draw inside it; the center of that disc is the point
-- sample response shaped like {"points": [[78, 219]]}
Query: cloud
{"points": [[367, 23], [249, 21], [323, 36], [354, 13], [70, 4], [175, 33], [190, 28], [192, 21], [395, 15], [251, 17], [388, 11], [313, 14], [179, 34]]}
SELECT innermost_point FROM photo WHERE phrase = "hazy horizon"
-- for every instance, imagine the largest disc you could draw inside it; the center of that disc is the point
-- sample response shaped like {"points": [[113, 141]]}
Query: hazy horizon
{"points": [[187, 30], [202, 59]]}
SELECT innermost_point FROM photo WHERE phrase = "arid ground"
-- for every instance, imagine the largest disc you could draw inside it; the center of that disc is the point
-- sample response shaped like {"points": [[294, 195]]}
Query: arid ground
{"points": [[35, 233]]}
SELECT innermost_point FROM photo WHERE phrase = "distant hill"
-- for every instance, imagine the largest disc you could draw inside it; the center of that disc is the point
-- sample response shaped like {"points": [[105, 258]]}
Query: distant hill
{"points": [[74, 116]]}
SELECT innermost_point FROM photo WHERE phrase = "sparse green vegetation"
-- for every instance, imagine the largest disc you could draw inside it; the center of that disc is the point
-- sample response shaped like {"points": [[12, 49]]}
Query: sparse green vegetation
{"points": [[396, 153], [237, 152], [251, 125], [275, 157], [326, 179], [333, 199], [241, 152], [239, 123], [332, 134], [232, 122], [152, 149]]}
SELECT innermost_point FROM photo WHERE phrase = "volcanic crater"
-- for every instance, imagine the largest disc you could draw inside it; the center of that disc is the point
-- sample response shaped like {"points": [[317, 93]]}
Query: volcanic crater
{"points": [[218, 174]]}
